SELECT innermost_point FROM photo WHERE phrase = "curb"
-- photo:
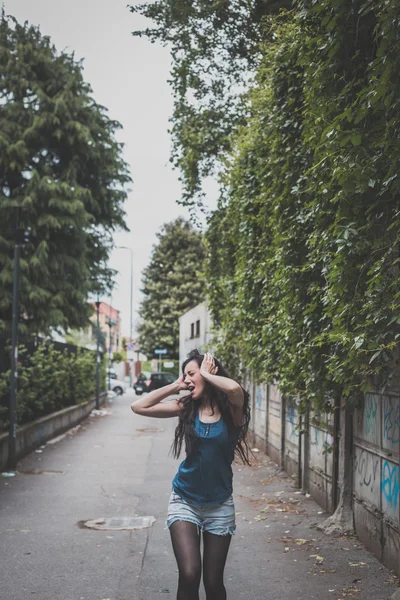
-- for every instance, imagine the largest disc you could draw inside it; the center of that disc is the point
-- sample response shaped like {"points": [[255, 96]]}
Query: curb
{"points": [[32, 435]]}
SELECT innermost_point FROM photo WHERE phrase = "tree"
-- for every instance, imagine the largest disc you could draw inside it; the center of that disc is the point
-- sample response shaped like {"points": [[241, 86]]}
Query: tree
{"points": [[172, 284], [214, 49], [62, 182]]}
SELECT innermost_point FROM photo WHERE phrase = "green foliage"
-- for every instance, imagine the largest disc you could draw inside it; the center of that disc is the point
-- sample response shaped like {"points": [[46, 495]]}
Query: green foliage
{"points": [[118, 357], [62, 177], [214, 45], [303, 253], [172, 284], [50, 380]]}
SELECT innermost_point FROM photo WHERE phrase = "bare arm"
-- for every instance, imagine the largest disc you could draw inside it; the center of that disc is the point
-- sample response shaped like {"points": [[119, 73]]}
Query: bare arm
{"points": [[152, 406], [231, 388]]}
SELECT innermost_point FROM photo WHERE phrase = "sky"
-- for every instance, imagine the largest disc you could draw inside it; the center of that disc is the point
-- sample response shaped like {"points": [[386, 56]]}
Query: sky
{"points": [[129, 76]]}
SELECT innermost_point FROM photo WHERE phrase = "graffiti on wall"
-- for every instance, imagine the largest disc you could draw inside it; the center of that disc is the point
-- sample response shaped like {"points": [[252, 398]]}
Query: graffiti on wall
{"points": [[259, 396], [371, 409], [367, 470], [391, 420], [392, 540], [390, 484], [322, 441], [319, 446]]}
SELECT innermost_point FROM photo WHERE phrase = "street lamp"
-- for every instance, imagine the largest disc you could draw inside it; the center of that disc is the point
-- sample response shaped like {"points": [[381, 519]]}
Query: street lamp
{"points": [[12, 439], [131, 308], [110, 324], [98, 353]]}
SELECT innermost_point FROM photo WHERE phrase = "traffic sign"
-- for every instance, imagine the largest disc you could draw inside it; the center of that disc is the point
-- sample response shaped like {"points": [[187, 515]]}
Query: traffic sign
{"points": [[162, 351]]}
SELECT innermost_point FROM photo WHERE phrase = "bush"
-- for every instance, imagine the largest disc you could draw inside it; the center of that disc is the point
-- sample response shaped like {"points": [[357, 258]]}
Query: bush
{"points": [[50, 380]]}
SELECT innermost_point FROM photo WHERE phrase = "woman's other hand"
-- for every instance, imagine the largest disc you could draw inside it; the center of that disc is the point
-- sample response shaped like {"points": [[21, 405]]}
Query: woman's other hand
{"points": [[180, 384], [208, 365]]}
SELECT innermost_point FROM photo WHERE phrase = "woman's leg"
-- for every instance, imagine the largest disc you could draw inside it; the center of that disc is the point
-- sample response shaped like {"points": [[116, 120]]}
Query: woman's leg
{"points": [[214, 557], [186, 544]]}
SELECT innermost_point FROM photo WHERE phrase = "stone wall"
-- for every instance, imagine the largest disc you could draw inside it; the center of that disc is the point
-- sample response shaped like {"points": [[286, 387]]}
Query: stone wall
{"points": [[305, 448], [376, 476], [38, 432]]}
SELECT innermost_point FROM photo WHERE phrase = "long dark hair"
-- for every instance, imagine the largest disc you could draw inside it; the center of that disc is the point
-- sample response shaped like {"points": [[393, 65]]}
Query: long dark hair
{"points": [[185, 429]]}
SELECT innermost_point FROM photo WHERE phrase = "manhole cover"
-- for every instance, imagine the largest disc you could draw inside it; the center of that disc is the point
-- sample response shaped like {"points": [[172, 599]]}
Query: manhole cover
{"points": [[119, 523]]}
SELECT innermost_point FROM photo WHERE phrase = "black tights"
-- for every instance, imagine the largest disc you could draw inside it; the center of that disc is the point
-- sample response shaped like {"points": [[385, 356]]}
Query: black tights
{"points": [[186, 545]]}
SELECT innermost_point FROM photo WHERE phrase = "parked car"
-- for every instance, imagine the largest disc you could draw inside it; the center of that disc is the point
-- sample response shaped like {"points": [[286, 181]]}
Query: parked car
{"points": [[116, 385], [112, 373], [140, 381], [153, 381]]}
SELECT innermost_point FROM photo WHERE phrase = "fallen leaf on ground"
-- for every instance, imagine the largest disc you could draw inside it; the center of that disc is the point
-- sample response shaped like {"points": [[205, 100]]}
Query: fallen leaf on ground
{"points": [[267, 481], [318, 559], [327, 571], [350, 591]]}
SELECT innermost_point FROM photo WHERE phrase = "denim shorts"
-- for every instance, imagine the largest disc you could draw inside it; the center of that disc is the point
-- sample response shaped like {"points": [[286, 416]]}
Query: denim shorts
{"points": [[217, 518]]}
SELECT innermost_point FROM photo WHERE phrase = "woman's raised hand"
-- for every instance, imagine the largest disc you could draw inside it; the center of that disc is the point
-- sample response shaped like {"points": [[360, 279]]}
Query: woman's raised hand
{"points": [[180, 383], [208, 365]]}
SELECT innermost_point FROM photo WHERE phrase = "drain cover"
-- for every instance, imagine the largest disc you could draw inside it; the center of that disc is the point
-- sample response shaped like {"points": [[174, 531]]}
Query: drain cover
{"points": [[119, 523]]}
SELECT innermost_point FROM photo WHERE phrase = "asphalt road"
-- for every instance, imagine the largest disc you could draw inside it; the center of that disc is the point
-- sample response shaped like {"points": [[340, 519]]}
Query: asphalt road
{"points": [[117, 465]]}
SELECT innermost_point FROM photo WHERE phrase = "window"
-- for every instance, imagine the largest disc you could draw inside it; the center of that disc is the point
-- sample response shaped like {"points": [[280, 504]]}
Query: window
{"points": [[192, 331], [198, 328]]}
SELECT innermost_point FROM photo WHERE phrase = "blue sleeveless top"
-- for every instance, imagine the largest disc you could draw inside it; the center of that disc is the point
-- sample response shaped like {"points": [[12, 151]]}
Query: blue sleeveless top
{"points": [[205, 477]]}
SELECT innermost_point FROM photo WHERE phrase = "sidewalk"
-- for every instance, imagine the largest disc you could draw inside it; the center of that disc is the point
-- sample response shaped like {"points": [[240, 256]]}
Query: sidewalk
{"points": [[117, 465]]}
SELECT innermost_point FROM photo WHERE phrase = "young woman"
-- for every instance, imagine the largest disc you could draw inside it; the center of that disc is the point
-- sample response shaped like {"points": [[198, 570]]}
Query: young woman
{"points": [[213, 420]]}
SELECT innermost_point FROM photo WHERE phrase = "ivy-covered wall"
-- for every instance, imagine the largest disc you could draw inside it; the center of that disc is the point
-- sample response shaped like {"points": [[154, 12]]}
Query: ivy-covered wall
{"points": [[303, 252]]}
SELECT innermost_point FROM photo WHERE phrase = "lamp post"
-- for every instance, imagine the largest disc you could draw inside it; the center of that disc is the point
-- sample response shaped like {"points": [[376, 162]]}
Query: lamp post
{"points": [[12, 439], [131, 310], [98, 353], [110, 324]]}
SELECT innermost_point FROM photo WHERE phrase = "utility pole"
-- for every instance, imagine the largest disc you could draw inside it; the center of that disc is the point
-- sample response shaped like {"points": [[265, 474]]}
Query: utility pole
{"points": [[98, 353], [12, 438], [131, 311], [110, 324]]}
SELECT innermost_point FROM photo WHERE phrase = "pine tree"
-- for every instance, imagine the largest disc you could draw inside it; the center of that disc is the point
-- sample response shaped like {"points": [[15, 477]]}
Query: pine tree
{"points": [[62, 173], [172, 284]]}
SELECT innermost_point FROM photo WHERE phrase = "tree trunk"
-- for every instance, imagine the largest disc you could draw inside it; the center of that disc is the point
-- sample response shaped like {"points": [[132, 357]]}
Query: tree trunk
{"points": [[342, 520]]}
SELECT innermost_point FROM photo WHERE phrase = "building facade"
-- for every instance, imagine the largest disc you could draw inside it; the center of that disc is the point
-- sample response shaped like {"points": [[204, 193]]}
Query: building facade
{"points": [[194, 331], [110, 325]]}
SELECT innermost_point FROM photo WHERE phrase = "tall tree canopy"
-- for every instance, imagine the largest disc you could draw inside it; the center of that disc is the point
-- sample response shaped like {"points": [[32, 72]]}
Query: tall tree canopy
{"points": [[214, 47], [172, 284], [62, 173]]}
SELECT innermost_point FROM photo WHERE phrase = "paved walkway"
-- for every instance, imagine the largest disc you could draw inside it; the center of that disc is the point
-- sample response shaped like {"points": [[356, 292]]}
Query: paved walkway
{"points": [[117, 465]]}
